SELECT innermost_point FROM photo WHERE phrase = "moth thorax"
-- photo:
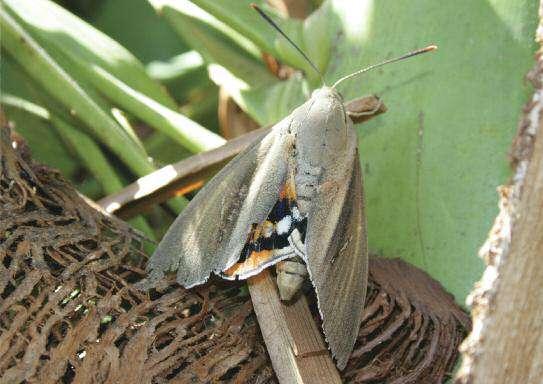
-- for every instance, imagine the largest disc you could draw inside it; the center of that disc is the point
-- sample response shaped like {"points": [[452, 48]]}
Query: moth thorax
{"points": [[291, 275]]}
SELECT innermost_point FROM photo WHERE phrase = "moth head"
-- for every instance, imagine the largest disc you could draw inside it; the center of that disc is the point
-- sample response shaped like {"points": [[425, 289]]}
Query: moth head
{"points": [[326, 104], [327, 110], [326, 93], [322, 123]]}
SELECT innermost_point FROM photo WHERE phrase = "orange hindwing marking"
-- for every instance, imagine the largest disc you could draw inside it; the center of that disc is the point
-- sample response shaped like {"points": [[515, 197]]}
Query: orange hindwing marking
{"points": [[251, 263]]}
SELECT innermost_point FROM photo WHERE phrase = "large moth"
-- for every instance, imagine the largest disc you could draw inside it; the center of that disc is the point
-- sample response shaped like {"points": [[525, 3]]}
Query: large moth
{"points": [[297, 192]]}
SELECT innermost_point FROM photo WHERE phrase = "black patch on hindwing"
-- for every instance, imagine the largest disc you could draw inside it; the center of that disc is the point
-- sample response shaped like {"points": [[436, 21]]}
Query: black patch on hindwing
{"points": [[257, 240]]}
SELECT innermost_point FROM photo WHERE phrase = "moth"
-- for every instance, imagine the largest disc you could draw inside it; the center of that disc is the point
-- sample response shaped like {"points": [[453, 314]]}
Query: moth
{"points": [[296, 193]]}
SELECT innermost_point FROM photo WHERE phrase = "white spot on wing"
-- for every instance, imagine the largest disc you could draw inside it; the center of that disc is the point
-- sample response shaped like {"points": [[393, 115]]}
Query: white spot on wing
{"points": [[296, 215], [283, 225]]}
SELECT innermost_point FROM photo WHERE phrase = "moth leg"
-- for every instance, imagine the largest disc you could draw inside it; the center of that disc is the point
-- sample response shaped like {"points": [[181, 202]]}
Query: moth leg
{"points": [[296, 241]]}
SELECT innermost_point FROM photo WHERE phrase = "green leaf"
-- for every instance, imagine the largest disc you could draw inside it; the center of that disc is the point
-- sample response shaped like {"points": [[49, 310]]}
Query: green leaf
{"points": [[87, 150], [36, 124], [214, 40], [52, 77], [81, 101], [178, 66], [90, 154], [270, 104], [46, 146], [312, 35], [132, 90], [241, 17], [179, 127], [144, 34], [188, 9], [57, 27]]}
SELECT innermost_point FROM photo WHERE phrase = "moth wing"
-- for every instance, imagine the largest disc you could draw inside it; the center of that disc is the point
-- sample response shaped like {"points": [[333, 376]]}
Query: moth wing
{"points": [[210, 233], [337, 257]]}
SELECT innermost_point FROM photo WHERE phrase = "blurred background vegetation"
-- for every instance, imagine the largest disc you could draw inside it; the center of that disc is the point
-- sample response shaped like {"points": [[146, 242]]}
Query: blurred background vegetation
{"points": [[109, 90]]}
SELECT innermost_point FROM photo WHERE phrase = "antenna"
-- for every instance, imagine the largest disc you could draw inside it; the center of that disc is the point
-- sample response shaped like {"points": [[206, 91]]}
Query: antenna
{"points": [[406, 56], [272, 23]]}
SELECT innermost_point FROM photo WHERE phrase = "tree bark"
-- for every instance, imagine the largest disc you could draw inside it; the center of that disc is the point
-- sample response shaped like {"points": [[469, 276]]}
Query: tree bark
{"points": [[506, 345]]}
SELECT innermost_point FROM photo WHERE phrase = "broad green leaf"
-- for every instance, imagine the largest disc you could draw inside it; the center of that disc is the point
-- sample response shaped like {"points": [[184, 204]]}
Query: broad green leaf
{"points": [[268, 105], [318, 36], [188, 9], [239, 16]]}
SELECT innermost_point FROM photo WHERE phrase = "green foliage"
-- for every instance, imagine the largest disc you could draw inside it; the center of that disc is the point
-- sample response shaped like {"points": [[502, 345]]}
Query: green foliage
{"points": [[431, 163], [46, 146], [136, 26]]}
